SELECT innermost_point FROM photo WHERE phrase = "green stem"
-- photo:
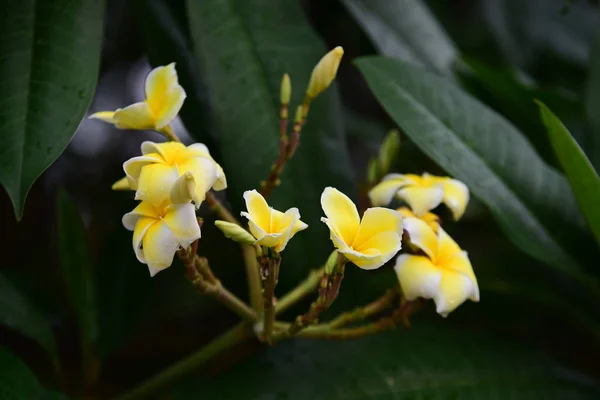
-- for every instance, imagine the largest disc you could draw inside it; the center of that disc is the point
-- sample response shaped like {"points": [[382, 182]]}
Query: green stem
{"points": [[299, 292], [167, 377]]}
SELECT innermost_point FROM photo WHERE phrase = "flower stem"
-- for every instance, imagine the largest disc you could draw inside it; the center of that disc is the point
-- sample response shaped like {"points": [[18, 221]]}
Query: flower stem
{"points": [[269, 266], [272, 181], [362, 313], [300, 291], [172, 374]]}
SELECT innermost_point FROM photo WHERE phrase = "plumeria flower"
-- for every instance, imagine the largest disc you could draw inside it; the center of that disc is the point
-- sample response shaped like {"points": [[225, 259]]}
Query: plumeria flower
{"points": [[369, 243], [270, 227], [443, 274], [422, 193], [159, 231], [164, 98], [430, 218], [154, 174]]}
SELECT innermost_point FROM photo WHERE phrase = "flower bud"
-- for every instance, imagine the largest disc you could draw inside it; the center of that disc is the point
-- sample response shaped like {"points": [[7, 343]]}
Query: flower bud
{"points": [[235, 232], [121, 184], [286, 90], [388, 151], [372, 172], [184, 190], [331, 262], [324, 72]]}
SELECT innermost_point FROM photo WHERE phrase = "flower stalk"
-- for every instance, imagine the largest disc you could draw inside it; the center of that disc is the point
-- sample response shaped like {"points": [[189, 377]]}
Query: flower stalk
{"points": [[269, 270]]}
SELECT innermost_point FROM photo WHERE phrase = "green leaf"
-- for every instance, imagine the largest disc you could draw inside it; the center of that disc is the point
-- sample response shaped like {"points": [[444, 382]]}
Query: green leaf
{"points": [[18, 314], [77, 270], [17, 382], [435, 362], [162, 24], [532, 202], [49, 60], [244, 47], [581, 174], [407, 30], [592, 101]]}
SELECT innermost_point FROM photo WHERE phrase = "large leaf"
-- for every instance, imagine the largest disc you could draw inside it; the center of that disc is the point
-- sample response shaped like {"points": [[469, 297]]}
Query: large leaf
{"points": [[77, 271], [17, 382], [18, 314], [244, 47], [592, 101], [407, 30], [432, 363], [49, 59], [581, 174], [532, 202]]}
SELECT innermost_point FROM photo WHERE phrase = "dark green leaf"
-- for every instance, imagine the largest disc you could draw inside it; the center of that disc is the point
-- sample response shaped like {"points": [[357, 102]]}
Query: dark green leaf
{"points": [[77, 270], [581, 174], [17, 382], [532, 202], [428, 362], [244, 47], [592, 101], [49, 59], [18, 314], [407, 30]]}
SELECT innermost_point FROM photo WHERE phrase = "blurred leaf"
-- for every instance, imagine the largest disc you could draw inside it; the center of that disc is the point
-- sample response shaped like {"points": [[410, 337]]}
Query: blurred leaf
{"points": [[18, 314], [407, 30], [428, 362], [532, 202], [581, 174], [592, 101], [244, 47], [17, 382], [77, 270], [49, 59], [163, 27]]}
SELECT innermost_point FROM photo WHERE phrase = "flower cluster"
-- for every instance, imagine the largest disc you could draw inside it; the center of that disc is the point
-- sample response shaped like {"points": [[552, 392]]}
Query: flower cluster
{"points": [[437, 268], [170, 179]]}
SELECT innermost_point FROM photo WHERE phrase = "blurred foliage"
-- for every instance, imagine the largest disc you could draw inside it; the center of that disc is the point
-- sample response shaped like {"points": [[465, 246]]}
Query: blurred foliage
{"points": [[459, 81]]}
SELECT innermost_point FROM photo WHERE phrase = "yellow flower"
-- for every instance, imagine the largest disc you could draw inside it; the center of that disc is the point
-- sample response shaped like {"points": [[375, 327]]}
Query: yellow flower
{"points": [[324, 72], [443, 274], [369, 243], [270, 227], [164, 98], [159, 231], [430, 218], [153, 174], [422, 193]]}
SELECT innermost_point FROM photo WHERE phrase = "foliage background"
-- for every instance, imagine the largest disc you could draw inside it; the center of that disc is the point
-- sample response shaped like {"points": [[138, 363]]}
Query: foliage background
{"points": [[71, 289]]}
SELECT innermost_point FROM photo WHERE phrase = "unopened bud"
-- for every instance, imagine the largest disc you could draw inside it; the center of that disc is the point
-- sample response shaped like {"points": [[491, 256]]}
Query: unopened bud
{"points": [[184, 190], [388, 151], [286, 89], [235, 232], [324, 72], [331, 262], [372, 172], [299, 115], [121, 184]]}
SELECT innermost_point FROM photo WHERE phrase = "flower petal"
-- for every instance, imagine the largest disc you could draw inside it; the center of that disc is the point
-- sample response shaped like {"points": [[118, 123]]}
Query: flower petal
{"points": [[338, 242], [142, 210], [135, 116], [158, 82], [454, 289], [168, 151], [121, 184], [420, 199], [106, 116], [269, 240], [133, 167], [377, 220], [461, 263], [418, 276], [200, 149], [366, 260], [204, 171], [141, 227], [456, 197], [159, 245], [341, 214], [447, 247], [387, 244], [172, 103], [258, 210], [422, 236], [181, 220], [383, 193], [255, 230], [284, 224], [155, 183]]}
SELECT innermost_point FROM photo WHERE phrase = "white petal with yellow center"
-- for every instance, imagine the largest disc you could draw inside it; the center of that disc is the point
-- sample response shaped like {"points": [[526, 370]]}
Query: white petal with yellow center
{"points": [[136, 116], [454, 289], [383, 193], [370, 259], [142, 210], [181, 220], [284, 224], [155, 183], [133, 167], [141, 227], [258, 213], [420, 199], [386, 244], [159, 247], [158, 82], [201, 150], [418, 276], [456, 197], [376, 220], [204, 171], [341, 214], [422, 236]]}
